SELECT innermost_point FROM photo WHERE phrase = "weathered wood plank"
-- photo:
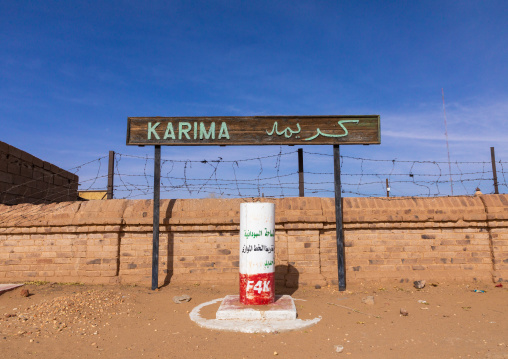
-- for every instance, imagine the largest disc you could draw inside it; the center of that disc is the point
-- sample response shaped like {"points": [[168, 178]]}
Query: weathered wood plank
{"points": [[261, 130]]}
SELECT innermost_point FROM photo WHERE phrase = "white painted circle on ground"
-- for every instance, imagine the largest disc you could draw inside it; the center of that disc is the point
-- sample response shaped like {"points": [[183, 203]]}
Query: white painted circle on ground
{"points": [[248, 326]]}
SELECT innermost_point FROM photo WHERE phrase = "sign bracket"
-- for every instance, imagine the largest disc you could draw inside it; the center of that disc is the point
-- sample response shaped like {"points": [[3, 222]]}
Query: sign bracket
{"points": [[156, 216], [338, 219]]}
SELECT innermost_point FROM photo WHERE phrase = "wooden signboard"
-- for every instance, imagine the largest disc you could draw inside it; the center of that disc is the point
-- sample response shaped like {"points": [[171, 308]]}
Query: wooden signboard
{"points": [[258, 130]]}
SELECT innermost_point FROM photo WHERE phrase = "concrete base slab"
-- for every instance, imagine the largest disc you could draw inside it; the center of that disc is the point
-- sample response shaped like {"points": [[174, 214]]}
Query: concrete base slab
{"points": [[248, 326], [282, 309]]}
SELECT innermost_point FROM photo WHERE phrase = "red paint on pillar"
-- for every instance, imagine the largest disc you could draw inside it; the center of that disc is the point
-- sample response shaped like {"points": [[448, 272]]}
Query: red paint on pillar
{"points": [[257, 289]]}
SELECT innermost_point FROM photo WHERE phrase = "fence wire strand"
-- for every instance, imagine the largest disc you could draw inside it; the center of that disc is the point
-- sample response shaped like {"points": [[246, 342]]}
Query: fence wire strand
{"points": [[276, 175]]}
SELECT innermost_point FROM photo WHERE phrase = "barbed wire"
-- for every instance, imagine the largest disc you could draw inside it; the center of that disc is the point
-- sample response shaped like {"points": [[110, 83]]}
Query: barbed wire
{"points": [[271, 176], [276, 175], [215, 160], [392, 160]]}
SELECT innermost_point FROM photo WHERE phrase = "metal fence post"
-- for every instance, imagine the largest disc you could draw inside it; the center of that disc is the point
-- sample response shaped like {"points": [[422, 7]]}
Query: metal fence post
{"points": [[494, 172], [300, 173], [111, 174]]}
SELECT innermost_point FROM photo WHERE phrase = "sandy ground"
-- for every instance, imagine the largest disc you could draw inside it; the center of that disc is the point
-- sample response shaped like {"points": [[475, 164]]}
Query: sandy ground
{"points": [[77, 321]]}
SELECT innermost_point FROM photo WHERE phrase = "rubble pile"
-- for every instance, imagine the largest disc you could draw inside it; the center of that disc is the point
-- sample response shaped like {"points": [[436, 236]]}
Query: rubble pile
{"points": [[82, 313]]}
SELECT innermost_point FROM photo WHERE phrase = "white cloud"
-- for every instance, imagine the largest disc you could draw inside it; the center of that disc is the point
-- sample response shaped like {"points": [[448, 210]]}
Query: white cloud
{"points": [[472, 129]]}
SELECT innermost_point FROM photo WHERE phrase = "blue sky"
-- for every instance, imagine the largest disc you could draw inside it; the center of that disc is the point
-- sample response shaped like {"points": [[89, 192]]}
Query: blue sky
{"points": [[72, 72]]}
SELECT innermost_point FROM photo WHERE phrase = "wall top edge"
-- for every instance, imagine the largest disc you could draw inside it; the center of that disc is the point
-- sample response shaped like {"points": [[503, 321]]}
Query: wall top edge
{"points": [[226, 211]]}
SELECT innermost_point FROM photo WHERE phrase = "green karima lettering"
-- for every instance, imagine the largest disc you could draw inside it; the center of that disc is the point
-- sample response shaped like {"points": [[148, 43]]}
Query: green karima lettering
{"points": [[203, 133], [151, 130], [223, 131], [185, 131], [195, 130], [169, 131]]}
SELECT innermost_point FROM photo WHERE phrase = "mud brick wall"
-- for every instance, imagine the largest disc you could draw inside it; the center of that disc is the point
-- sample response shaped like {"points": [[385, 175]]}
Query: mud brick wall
{"points": [[496, 207], [27, 179], [386, 239]]}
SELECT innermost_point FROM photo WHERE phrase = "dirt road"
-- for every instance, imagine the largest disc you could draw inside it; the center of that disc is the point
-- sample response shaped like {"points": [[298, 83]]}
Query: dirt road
{"points": [[77, 321]]}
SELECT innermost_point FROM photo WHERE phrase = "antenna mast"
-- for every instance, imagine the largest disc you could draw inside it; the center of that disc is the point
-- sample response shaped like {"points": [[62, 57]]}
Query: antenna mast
{"points": [[447, 145]]}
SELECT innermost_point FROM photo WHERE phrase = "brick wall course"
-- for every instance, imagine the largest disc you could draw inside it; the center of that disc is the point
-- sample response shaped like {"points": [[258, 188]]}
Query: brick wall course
{"points": [[399, 239]]}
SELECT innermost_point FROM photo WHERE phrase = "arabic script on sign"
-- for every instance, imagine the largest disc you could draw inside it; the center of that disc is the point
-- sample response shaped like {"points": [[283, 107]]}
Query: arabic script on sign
{"points": [[318, 131], [288, 132]]}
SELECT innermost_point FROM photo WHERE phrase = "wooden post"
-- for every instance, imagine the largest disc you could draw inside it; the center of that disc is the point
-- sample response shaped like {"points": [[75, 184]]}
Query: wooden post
{"points": [[111, 173], [494, 172], [156, 200], [338, 219], [300, 173], [387, 188]]}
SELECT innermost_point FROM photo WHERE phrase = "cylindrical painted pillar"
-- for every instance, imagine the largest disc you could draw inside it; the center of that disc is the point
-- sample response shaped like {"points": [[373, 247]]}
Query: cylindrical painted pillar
{"points": [[257, 253]]}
